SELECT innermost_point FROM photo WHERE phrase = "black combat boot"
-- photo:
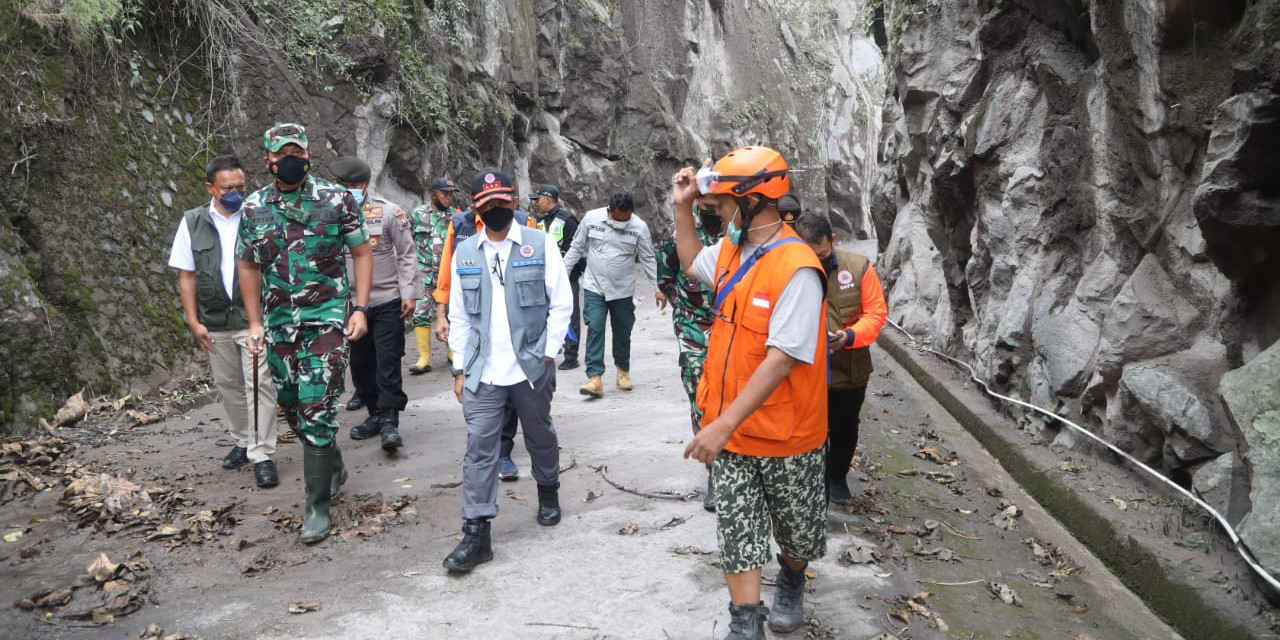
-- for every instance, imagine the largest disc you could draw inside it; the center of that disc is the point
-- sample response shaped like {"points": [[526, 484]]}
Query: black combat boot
{"points": [[788, 599], [317, 473], [549, 504], [474, 549], [371, 426], [356, 403], [838, 490], [746, 621], [389, 419]]}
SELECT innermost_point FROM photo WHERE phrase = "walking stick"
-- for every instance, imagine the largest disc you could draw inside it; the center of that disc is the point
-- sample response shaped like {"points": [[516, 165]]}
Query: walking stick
{"points": [[257, 438]]}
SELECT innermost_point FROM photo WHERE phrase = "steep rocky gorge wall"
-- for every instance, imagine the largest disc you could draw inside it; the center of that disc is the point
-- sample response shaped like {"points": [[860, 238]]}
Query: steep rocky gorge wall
{"points": [[103, 141], [1081, 198]]}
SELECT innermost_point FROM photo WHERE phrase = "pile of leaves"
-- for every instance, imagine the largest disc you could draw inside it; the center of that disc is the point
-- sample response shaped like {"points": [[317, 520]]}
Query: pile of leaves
{"points": [[907, 608], [364, 515], [107, 590], [113, 504], [30, 466], [1048, 555], [121, 413]]}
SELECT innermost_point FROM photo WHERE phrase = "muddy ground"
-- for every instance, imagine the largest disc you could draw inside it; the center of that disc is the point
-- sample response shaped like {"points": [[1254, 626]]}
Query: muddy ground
{"points": [[936, 532]]}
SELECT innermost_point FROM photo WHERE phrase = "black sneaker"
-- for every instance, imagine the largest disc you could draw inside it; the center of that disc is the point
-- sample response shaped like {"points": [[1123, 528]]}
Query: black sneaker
{"points": [[265, 474], [236, 458], [569, 365]]}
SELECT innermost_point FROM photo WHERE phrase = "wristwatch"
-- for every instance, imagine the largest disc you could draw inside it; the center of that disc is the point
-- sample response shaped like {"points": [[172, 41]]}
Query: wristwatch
{"points": [[361, 309]]}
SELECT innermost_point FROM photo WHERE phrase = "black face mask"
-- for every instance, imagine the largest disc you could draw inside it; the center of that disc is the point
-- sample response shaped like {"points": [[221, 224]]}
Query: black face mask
{"points": [[498, 218], [829, 263], [711, 223], [291, 169]]}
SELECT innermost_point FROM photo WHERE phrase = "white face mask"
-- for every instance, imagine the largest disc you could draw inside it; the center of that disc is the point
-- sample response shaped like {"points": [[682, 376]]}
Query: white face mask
{"points": [[616, 224]]}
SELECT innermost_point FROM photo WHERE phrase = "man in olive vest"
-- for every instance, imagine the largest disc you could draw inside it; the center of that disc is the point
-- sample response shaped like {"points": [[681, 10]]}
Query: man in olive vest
{"points": [[856, 312], [204, 254]]}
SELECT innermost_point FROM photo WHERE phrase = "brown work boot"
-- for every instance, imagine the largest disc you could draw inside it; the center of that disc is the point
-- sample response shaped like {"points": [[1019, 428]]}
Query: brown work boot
{"points": [[594, 387], [624, 381]]}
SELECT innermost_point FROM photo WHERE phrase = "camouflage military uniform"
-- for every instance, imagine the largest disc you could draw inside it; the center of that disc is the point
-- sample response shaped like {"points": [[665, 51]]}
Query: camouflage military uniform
{"points": [[691, 314], [297, 239], [430, 226]]}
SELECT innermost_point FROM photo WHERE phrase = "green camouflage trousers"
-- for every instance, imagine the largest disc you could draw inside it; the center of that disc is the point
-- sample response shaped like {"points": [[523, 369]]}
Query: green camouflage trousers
{"points": [[693, 352], [753, 493], [690, 373], [308, 373], [424, 312]]}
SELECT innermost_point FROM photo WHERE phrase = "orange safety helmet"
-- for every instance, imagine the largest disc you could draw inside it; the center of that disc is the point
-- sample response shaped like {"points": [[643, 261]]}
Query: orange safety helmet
{"points": [[758, 170]]}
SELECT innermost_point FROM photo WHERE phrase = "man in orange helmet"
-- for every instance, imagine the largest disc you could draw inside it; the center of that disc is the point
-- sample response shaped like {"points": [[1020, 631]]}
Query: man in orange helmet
{"points": [[763, 391]]}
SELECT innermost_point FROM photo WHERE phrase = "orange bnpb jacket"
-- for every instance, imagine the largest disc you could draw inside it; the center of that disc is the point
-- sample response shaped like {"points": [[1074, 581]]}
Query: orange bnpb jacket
{"points": [[793, 419]]}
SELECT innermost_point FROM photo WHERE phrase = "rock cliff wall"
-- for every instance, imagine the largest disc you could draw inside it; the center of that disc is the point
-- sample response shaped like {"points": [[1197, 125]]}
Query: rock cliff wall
{"points": [[103, 137], [1080, 198]]}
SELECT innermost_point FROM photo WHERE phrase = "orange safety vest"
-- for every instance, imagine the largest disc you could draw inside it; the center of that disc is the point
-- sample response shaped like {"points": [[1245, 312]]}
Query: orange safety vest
{"points": [[793, 419]]}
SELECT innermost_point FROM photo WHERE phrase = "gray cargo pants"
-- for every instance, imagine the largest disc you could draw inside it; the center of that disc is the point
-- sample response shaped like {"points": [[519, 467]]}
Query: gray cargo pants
{"points": [[484, 410]]}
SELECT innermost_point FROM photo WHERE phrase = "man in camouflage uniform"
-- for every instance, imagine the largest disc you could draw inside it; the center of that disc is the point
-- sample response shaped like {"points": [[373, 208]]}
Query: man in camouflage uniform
{"points": [[291, 267], [430, 225], [691, 313]]}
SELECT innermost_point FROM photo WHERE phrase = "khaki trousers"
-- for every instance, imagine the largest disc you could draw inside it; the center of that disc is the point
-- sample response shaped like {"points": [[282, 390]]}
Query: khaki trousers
{"points": [[232, 365]]}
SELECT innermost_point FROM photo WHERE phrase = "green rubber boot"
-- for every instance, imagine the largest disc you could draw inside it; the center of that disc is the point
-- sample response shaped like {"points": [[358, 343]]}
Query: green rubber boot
{"points": [[339, 472], [318, 465]]}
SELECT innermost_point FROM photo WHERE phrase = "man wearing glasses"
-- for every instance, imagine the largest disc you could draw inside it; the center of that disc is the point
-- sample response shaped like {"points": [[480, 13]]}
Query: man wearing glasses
{"points": [[508, 316], [204, 254], [294, 282]]}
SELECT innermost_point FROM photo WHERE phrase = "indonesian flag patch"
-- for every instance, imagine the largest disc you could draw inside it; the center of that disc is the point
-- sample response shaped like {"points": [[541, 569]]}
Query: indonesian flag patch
{"points": [[760, 299]]}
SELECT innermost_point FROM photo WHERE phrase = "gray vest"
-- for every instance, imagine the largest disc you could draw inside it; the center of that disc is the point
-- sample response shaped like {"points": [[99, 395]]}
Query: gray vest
{"points": [[527, 303]]}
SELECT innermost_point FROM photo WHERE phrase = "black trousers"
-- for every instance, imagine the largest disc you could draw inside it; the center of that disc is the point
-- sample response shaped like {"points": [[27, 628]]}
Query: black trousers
{"points": [[375, 359], [843, 406], [575, 320]]}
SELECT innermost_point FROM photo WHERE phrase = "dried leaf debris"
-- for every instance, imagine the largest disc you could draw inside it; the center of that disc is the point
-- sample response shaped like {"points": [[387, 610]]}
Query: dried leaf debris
{"points": [[107, 590]]}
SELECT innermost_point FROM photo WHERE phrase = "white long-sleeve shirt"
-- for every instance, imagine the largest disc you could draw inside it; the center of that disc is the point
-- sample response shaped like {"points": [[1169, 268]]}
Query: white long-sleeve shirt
{"points": [[500, 366]]}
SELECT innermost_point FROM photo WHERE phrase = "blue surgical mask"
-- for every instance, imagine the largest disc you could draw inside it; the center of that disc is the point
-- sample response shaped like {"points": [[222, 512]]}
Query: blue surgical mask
{"points": [[232, 201], [734, 233], [358, 194]]}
